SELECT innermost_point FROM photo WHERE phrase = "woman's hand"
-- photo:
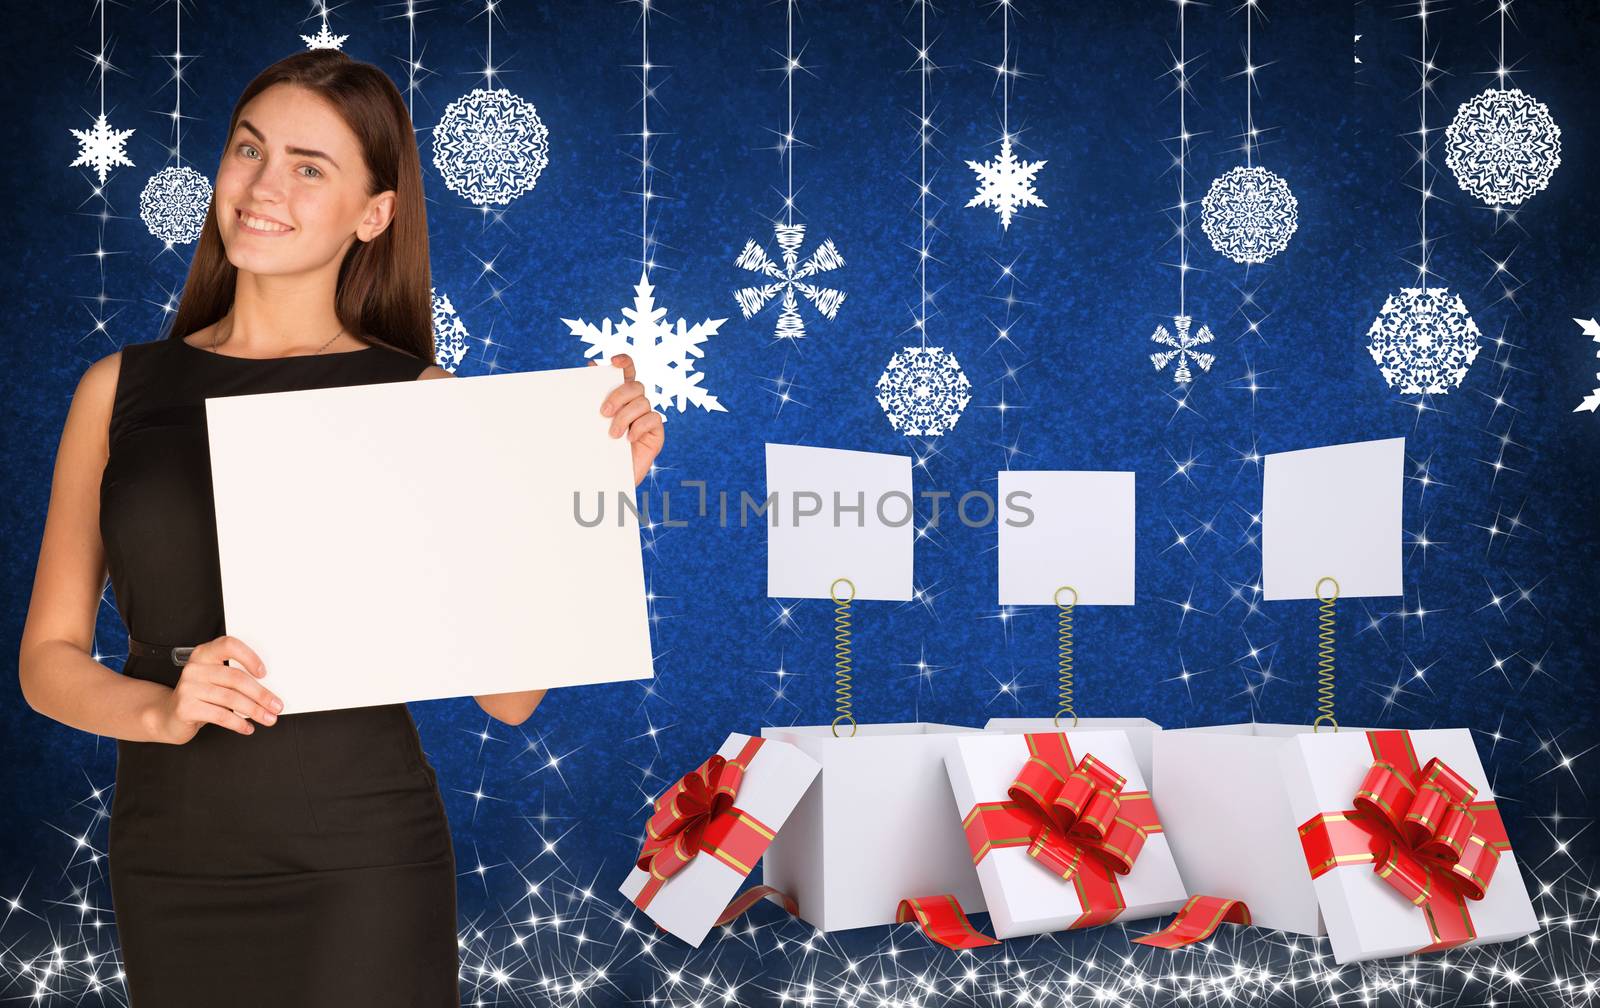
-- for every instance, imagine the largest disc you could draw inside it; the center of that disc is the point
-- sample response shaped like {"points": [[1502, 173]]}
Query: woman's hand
{"points": [[630, 413], [211, 692]]}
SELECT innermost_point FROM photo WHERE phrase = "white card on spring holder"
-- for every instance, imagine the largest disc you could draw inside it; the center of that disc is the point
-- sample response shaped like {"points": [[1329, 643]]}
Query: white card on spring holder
{"points": [[1333, 512], [415, 540], [1080, 533], [839, 514]]}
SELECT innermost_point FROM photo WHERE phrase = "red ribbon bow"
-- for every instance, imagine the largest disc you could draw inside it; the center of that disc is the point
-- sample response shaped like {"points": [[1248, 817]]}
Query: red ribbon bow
{"points": [[1422, 832], [1076, 816], [697, 814]]}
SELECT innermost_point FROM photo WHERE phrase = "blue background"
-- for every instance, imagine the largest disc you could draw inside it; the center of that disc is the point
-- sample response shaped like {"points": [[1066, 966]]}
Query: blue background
{"points": [[566, 790]]}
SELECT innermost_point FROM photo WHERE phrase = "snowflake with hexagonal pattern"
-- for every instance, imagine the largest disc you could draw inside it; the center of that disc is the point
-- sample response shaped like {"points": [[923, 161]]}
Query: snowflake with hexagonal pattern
{"points": [[490, 146], [174, 204], [1423, 340], [1249, 214], [923, 390], [449, 333], [1502, 146]]}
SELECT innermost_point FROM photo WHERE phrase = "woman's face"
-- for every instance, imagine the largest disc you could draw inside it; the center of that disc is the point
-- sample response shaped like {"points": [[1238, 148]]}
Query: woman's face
{"points": [[293, 160]]}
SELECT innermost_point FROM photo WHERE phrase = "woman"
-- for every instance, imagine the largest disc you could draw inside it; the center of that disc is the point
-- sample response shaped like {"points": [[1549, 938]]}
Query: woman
{"points": [[257, 860]]}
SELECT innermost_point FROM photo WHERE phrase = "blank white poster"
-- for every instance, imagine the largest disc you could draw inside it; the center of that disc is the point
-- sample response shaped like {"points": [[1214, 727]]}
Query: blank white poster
{"points": [[1080, 535], [416, 540]]}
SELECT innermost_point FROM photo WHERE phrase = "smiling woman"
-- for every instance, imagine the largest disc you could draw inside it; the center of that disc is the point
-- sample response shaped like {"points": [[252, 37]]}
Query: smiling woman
{"points": [[255, 860]]}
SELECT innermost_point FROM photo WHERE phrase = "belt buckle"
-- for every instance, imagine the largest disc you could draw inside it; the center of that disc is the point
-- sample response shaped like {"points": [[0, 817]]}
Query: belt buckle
{"points": [[180, 655]]}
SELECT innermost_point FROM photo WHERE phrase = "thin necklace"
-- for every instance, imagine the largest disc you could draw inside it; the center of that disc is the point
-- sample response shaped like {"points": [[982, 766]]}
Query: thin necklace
{"points": [[217, 340]]}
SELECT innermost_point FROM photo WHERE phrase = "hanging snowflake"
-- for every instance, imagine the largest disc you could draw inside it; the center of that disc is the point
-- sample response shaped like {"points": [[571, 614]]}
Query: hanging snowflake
{"points": [[1590, 402], [100, 148], [174, 203], [1503, 146], [1249, 214], [923, 391], [490, 146], [790, 278], [663, 356], [324, 39], [1183, 349], [1423, 340], [1006, 183], [449, 334]]}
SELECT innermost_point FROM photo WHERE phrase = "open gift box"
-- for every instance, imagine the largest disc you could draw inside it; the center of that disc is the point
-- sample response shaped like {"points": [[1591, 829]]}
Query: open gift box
{"points": [[878, 826], [1387, 841]]}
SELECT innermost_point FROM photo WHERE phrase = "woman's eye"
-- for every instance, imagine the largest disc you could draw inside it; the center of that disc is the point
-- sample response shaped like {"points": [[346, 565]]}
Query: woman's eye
{"points": [[248, 146]]}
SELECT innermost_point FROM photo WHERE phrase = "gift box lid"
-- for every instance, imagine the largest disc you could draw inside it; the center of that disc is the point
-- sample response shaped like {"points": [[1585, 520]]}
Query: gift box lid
{"points": [[707, 831]]}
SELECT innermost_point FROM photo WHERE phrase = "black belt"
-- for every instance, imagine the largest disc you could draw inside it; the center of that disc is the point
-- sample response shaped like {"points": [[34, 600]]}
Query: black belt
{"points": [[178, 654]]}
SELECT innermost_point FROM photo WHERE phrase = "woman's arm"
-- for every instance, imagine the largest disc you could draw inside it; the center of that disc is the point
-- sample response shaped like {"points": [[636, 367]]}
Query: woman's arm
{"points": [[60, 677]]}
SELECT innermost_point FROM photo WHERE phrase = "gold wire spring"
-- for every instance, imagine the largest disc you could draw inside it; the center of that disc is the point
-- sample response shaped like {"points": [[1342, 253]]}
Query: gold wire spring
{"points": [[841, 656], [1064, 655], [1326, 625]]}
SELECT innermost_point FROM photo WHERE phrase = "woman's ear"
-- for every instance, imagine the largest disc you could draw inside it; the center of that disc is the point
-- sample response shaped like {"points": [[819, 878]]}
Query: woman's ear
{"points": [[380, 213]]}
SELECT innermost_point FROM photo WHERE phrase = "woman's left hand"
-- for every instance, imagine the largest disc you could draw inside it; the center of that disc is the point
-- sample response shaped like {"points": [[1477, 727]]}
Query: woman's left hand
{"points": [[630, 413]]}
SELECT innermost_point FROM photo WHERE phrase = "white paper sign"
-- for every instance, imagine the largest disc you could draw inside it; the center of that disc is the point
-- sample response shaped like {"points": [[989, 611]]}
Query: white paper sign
{"points": [[819, 535], [414, 540], [1333, 512], [1081, 535]]}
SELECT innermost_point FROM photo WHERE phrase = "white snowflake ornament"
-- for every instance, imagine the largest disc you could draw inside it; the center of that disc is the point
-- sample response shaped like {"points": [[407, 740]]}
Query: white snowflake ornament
{"points": [[1590, 402], [1249, 214], [789, 278], [324, 39], [923, 390], [490, 146], [1423, 340], [1502, 146], [1005, 183], [449, 333], [1183, 348], [174, 203], [663, 355], [100, 147]]}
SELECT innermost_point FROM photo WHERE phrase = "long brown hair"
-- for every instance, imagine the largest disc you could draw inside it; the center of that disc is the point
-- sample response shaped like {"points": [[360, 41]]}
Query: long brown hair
{"points": [[384, 287]]}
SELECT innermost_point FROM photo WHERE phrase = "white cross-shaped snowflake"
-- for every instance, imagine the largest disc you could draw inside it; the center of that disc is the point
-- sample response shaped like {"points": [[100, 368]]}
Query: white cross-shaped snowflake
{"points": [[1006, 183], [789, 278]]}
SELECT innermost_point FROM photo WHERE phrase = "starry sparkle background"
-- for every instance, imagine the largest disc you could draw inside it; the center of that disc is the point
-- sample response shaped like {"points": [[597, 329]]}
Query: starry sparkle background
{"points": [[1496, 631]]}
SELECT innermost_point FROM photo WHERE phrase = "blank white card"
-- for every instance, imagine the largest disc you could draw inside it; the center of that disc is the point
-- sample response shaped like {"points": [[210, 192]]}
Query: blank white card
{"points": [[416, 540]]}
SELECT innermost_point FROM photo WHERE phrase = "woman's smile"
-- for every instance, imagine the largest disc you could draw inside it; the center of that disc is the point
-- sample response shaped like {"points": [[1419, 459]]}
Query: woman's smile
{"points": [[261, 225]]}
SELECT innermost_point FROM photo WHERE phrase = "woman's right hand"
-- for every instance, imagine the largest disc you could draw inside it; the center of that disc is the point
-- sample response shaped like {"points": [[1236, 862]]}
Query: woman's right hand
{"points": [[210, 692]]}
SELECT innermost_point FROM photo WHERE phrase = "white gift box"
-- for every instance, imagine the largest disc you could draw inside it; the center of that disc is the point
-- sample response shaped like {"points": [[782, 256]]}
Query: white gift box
{"points": [[879, 826], [1140, 732], [688, 903], [1242, 806], [1023, 895]]}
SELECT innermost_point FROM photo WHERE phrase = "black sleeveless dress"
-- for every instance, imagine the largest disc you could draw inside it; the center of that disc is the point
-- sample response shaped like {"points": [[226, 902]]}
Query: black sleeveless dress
{"points": [[310, 863]]}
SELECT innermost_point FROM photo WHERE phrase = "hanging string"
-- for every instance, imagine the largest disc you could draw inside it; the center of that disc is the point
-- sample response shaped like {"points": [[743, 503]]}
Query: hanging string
{"points": [[644, 134], [1249, 83], [1183, 159], [1422, 131], [922, 195], [1326, 626], [841, 656]]}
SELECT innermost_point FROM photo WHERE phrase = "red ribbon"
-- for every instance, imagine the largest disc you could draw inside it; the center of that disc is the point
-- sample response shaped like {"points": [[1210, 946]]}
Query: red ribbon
{"points": [[697, 815], [1421, 831], [1197, 920], [941, 919], [1076, 820]]}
